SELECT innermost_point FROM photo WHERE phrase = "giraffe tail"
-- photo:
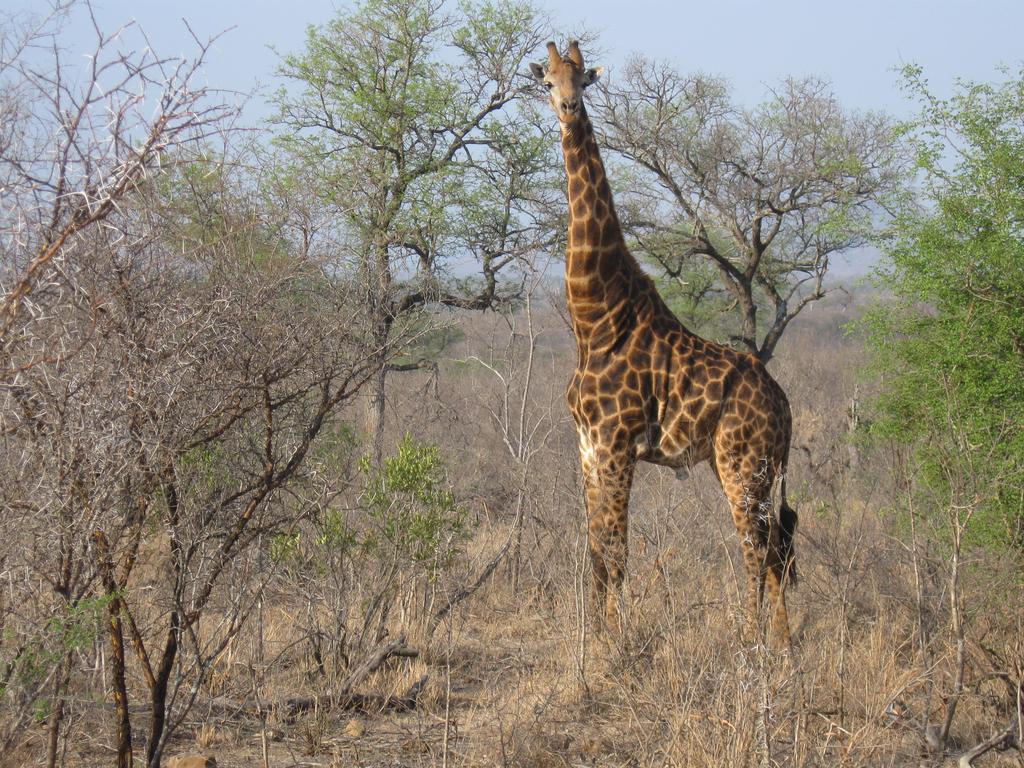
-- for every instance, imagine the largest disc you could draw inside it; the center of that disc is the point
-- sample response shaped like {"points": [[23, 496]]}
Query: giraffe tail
{"points": [[787, 530]]}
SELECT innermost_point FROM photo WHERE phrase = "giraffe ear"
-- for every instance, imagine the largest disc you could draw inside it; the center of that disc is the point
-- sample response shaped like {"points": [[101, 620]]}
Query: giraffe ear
{"points": [[538, 72], [591, 75]]}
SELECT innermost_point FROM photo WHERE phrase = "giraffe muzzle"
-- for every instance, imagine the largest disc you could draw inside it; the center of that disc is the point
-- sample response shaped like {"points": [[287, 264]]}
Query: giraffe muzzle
{"points": [[570, 107]]}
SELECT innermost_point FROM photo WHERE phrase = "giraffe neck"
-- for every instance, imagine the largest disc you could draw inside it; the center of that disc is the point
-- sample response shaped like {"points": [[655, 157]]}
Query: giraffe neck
{"points": [[599, 270]]}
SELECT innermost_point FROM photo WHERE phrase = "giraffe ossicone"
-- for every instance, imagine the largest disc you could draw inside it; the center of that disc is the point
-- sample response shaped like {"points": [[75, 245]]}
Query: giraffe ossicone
{"points": [[648, 389]]}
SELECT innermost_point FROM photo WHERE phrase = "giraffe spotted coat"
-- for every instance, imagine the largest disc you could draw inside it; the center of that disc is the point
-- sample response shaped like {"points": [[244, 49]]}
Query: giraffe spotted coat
{"points": [[648, 389]]}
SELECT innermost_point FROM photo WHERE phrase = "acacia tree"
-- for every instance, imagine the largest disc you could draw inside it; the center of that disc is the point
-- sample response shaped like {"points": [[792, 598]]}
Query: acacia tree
{"points": [[76, 143], [408, 113], [746, 205], [174, 346], [153, 466]]}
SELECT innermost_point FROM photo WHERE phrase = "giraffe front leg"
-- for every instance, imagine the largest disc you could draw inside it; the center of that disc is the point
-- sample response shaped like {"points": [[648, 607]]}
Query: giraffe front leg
{"points": [[608, 554], [599, 576], [607, 488]]}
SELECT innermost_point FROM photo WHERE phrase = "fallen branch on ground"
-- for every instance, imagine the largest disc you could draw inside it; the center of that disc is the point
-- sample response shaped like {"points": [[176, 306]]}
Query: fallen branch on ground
{"points": [[468, 590], [1003, 740], [343, 697]]}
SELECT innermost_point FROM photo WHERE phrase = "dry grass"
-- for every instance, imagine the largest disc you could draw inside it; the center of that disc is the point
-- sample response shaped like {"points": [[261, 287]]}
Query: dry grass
{"points": [[518, 679]]}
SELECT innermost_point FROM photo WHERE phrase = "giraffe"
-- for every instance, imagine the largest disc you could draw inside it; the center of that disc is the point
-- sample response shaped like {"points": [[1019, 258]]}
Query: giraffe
{"points": [[648, 389]]}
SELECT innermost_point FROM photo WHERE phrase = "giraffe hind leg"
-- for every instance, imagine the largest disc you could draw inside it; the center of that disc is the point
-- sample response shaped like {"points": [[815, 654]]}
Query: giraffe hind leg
{"points": [[763, 557], [787, 531], [772, 572]]}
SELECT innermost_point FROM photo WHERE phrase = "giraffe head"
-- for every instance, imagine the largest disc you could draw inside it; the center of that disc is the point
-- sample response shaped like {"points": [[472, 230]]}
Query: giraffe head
{"points": [[565, 78]]}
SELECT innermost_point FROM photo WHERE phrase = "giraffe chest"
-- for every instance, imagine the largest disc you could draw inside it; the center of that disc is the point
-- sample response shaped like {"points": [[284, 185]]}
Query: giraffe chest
{"points": [[619, 409]]}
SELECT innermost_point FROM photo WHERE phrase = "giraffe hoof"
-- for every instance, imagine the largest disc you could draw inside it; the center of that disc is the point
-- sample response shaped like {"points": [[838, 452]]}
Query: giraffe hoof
{"points": [[781, 643]]}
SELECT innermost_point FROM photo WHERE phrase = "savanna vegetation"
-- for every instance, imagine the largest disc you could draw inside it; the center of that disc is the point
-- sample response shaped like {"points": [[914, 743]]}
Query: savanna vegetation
{"points": [[287, 476]]}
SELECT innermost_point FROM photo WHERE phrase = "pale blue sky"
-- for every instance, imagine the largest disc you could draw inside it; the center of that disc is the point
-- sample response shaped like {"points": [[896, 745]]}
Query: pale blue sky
{"points": [[856, 45]]}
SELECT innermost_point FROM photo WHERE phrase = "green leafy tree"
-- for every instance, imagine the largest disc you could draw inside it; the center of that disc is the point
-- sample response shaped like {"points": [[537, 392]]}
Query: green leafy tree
{"points": [[409, 114], [407, 514], [413, 508], [378, 563], [951, 342]]}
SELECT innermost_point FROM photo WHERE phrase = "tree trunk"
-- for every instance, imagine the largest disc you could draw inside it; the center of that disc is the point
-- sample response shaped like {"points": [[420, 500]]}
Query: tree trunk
{"points": [[57, 715], [158, 694], [852, 429], [382, 321], [162, 675], [376, 411], [957, 620], [117, 668], [744, 293]]}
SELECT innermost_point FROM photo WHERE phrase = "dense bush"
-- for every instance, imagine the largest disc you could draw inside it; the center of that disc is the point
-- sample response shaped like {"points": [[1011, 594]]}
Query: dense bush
{"points": [[950, 347]]}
